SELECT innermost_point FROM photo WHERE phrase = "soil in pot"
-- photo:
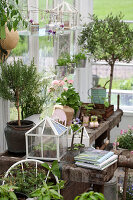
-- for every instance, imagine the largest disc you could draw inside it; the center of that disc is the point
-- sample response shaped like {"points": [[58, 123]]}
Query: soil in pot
{"points": [[15, 135]]}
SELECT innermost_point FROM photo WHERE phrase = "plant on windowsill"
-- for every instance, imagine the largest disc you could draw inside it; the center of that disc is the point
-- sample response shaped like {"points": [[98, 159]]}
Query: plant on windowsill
{"points": [[16, 80], [79, 59]]}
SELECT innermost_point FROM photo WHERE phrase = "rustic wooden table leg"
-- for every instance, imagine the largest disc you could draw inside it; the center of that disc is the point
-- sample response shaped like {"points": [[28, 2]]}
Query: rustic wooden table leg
{"points": [[125, 183]]}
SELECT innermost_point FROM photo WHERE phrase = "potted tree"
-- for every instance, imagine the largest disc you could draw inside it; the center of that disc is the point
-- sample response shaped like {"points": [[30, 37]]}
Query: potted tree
{"points": [[110, 39], [16, 80]]}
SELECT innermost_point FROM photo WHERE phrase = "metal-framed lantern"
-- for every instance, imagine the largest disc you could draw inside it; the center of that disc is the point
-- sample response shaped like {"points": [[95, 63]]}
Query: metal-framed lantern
{"points": [[64, 15], [47, 140]]}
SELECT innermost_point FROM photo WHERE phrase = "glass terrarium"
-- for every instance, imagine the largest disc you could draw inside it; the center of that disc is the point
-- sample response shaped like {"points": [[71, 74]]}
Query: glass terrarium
{"points": [[47, 140]]}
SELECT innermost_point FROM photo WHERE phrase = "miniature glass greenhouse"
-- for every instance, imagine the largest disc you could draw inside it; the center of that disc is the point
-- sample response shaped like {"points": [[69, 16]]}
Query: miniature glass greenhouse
{"points": [[47, 140]]}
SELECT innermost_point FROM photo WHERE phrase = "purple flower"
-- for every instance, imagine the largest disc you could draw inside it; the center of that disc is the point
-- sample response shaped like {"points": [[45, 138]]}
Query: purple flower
{"points": [[31, 21], [62, 26], [50, 31], [54, 32]]}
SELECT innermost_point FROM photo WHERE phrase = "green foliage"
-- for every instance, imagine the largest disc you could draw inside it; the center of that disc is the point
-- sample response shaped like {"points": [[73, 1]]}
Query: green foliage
{"points": [[126, 84], [49, 191], [47, 146], [18, 81], [64, 60], [89, 107], [28, 181], [35, 99], [41, 185], [90, 196], [109, 39], [125, 140], [78, 57], [11, 17], [7, 192], [70, 98]]}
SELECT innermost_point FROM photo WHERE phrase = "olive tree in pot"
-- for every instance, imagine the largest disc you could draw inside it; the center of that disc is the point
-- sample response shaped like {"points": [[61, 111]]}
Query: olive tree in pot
{"points": [[16, 80], [110, 39]]}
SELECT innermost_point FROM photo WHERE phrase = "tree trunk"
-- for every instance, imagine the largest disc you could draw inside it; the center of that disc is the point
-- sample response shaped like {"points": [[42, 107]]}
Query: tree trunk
{"points": [[110, 84], [17, 105]]}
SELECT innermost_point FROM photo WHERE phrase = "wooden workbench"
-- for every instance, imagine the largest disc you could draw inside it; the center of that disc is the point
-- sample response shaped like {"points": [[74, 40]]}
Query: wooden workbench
{"points": [[98, 135]]}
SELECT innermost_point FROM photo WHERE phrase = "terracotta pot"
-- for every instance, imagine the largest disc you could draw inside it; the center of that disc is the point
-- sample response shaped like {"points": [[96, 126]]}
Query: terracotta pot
{"points": [[11, 40], [68, 111]]}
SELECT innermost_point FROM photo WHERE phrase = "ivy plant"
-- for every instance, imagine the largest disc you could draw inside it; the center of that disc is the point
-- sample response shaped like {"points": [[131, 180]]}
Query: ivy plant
{"points": [[110, 39]]}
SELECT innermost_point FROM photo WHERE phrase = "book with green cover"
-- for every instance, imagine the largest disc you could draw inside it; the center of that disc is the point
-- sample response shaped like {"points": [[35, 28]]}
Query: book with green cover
{"points": [[92, 155]]}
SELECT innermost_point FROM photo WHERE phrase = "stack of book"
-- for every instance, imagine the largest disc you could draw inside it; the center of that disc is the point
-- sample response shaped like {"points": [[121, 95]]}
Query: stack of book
{"points": [[95, 159]]}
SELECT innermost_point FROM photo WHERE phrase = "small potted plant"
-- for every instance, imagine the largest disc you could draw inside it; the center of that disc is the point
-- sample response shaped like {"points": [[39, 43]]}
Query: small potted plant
{"points": [[86, 115], [64, 65], [125, 140], [68, 99], [79, 59], [15, 82]]}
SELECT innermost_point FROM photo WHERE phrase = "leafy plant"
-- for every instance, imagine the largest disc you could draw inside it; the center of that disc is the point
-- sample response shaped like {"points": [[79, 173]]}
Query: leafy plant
{"points": [[10, 16], [90, 196], [125, 140], [67, 96], [109, 39], [64, 60], [48, 190], [26, 181], [48, 146], [70, 98], [36, 98], [7, 192], [36, 184], [76, 124], [16, 81], [78, 57], [89, 107]]}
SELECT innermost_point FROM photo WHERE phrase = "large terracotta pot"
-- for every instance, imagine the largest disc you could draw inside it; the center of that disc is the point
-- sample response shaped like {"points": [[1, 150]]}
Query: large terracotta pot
{"points": [[11, 40], [68, 111], [15, 135]]}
